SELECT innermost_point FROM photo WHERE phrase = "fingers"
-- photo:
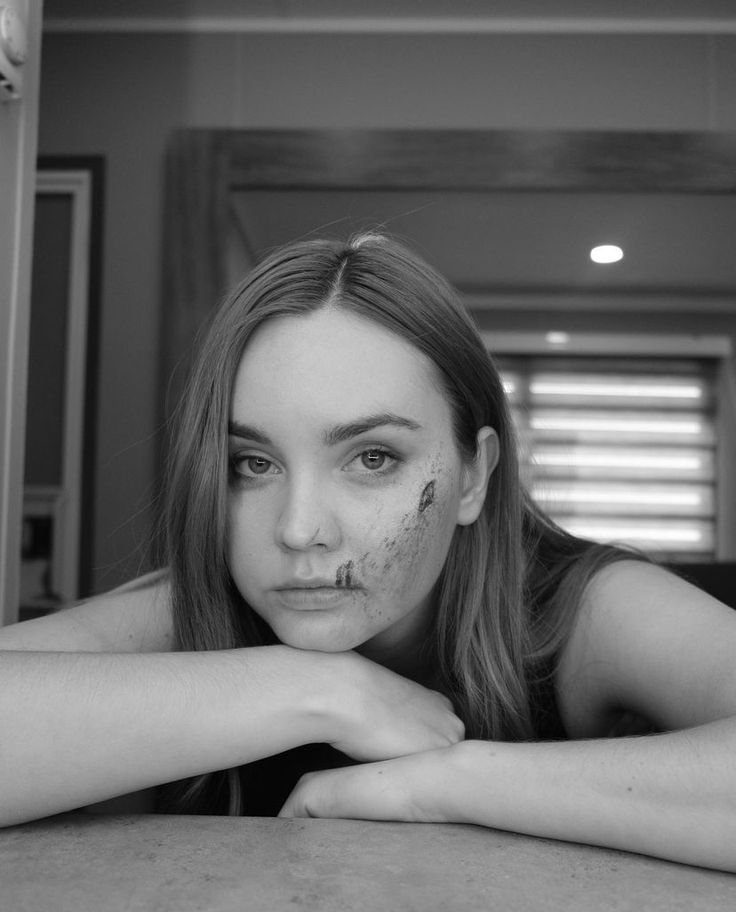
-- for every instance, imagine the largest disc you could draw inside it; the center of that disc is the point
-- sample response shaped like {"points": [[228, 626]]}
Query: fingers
{"points": [[452, 727], [459, 730], [291, 808], [294, 806], [446, 701], [304, 798], [329, 793], [400, 789], [382, 714]]}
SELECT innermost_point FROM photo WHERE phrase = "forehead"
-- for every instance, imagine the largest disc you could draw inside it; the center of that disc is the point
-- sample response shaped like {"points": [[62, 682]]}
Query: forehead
{"points": [[330, 363]]}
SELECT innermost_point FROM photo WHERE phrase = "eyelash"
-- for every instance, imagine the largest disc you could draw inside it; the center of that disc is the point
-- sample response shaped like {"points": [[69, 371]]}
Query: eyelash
{"points": [[237, 460], [381, 451]]}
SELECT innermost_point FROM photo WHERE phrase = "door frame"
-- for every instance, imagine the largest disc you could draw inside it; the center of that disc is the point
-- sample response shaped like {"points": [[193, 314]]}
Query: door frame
{"points": [[70, 505]]}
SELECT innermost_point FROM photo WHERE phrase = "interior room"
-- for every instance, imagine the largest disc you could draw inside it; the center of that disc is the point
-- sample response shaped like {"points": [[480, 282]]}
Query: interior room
{"points": [[375, 608], [121, 91]]}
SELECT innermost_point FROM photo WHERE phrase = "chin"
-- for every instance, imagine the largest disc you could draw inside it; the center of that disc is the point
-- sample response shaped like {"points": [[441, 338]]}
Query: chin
{"points": [[315, 641]]}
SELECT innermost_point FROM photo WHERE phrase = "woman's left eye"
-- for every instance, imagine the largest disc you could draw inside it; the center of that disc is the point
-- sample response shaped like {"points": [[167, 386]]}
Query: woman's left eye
{"points": [[373, 459]]}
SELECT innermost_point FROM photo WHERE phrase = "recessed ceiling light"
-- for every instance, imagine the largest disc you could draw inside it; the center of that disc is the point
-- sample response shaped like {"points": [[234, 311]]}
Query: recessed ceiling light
{"points": [[606, 253], [557, 338]]}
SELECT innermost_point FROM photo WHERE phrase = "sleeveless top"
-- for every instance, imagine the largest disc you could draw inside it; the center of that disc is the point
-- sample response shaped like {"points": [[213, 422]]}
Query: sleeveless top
{"points": [[546, 718]]}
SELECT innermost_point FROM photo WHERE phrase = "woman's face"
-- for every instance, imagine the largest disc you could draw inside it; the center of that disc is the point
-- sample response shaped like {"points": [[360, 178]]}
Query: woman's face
{"points": [[346, 484]]}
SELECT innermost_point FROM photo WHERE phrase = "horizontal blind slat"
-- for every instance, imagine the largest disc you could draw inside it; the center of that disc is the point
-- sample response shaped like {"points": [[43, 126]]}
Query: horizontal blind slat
{"points": [[673, 535], [618, 462], [616, 390], [620, 426], [624, 454], [602, 498]]}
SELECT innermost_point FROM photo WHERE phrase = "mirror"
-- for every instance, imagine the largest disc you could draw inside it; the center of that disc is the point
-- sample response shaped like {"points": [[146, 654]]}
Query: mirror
{"points": [[508, 216]]}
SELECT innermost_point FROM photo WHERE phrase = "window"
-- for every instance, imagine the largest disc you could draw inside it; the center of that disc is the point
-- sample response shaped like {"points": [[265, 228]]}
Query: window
{"points": [[621, 449]]}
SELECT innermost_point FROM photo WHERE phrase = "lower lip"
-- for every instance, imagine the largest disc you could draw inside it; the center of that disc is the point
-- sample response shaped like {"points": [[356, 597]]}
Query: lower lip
{"points": [[313, 599]]}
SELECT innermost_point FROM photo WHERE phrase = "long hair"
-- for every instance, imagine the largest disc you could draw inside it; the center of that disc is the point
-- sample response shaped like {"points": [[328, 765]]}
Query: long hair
{"points": [[512, 580]]}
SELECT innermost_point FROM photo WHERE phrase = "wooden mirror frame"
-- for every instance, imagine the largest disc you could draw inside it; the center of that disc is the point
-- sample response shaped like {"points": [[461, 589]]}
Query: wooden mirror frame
{"points": [[204, 166]]}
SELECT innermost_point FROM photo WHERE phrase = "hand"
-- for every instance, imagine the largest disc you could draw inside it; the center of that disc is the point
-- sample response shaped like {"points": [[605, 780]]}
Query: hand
{"points": [[409, 789], [378, 714]]}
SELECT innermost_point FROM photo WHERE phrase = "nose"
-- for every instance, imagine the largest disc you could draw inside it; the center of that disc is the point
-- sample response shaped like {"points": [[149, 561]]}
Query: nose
{"points": [[306, 520]]}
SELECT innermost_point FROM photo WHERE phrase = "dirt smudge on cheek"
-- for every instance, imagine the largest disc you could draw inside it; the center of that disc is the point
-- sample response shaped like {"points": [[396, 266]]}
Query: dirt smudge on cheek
{"points": [[398, 559], [394, 565], [344, 575]]}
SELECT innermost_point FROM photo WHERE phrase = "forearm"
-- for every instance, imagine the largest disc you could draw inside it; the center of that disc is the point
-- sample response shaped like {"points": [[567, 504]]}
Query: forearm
{"points": [[81, 727], [671, 795]]}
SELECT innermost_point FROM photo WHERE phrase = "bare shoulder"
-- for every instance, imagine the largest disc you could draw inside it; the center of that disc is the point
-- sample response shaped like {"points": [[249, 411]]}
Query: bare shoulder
{"points": [[134, 618], [648, 643]]}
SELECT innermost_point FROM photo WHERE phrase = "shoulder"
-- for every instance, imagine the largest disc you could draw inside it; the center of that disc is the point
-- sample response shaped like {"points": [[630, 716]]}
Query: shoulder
{"points": [[133, 618], [648, 643]]}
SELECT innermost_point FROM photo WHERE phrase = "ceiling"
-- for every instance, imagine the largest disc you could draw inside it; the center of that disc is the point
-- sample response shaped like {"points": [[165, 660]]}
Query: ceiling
{"points": [[529, 241], [679, 243]]}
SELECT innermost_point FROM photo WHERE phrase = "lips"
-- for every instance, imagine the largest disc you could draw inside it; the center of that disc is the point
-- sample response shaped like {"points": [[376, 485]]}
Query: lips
{"points": [[315, 582], [312, 597]]}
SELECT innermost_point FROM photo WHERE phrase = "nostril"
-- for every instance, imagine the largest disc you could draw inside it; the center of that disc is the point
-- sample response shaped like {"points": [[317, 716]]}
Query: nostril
{"points": [[297, 534], [306, 519]]}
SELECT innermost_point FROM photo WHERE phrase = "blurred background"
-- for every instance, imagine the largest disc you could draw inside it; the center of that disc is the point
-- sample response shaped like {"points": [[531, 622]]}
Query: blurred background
{"points": [[180, 141]]}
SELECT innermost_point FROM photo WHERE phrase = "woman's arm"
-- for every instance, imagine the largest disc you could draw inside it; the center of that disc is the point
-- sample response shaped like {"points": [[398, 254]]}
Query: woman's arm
{"points": [[84, 718], [133, 618], [669, 795], [645, 642], [82, 727]]}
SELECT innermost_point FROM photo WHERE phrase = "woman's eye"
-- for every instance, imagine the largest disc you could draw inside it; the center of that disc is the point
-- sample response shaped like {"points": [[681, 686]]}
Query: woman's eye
{"points": [[372, 460], [250, 466]]}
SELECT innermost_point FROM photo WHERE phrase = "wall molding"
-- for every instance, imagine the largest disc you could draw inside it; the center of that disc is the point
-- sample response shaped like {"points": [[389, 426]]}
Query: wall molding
{"points": [[396, 25], [599, 303], [652, 345]]}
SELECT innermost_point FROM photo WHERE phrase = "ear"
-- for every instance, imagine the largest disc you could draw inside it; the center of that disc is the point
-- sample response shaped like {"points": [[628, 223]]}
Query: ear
{"points": [[476, 476]]}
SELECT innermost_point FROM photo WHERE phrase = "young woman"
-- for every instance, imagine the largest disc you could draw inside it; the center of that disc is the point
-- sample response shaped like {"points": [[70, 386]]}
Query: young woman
{"points": [[363, 615]]}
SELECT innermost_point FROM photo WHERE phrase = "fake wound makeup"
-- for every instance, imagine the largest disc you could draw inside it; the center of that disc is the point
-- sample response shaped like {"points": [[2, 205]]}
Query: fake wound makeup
{"points": [[344, 575], [427, 498]]}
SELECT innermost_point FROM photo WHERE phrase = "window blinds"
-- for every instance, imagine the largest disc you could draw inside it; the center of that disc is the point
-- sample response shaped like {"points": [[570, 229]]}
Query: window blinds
{"points": [[620, 450]]}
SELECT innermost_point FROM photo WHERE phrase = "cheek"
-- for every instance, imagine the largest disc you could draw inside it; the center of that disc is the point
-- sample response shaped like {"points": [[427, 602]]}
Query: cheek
{"points": [[411, 552], [245, 546], [237, 534]]}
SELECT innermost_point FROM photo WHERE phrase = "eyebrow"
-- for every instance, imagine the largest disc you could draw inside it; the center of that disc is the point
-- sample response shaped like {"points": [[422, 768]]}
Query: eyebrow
{"points": [[338, 434], [342, 432], [247, 432]]}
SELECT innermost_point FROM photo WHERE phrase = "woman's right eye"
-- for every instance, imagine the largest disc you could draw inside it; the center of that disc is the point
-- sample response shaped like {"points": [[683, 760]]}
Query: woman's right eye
{"points": [[252, 466]]}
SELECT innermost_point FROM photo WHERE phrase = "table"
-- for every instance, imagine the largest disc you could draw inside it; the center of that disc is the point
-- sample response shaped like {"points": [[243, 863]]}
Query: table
{"points": [[85, 862]]}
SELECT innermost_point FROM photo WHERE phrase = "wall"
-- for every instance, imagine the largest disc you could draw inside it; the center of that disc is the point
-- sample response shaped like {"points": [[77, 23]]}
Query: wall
{"points": [[121, 95]]}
